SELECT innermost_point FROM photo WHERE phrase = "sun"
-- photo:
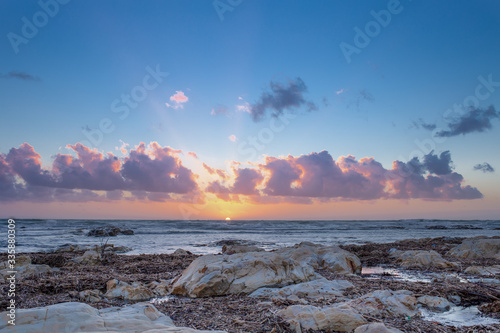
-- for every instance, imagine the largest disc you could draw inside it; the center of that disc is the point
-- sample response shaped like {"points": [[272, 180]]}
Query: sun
{"points": [[228, 219]]}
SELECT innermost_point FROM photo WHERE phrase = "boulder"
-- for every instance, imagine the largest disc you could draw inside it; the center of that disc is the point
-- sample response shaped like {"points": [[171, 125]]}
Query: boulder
{"points": [[477, 248], [91, 296], [338, 318], [376, 328], [232, 249], [317, 289], [90, 257], [181, 253], [109, 231], [23, 267], [330, 258], [159, 289], [80, 317], [135, 291], [485, 271], [241, 273], [386, 303], [418, 258], [435, 303]]}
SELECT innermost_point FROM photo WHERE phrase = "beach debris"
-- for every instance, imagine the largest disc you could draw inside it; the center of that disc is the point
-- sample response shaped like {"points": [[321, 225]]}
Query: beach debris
{"points": [[232, 249], [316, 289], [477, 248], [81, 317], [420, 258], [376, 328], [135, 291], [340, 318], [386, 303], [23, 267], [109, 231], [435, 303]]}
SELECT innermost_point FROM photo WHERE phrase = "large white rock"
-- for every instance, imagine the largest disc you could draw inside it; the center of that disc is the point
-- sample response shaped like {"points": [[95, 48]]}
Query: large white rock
{"points": [[80, 317], [330, 258], [241, 273], [386, 302], [418, 258], [321, 288], [338, 318], [376, 328], [477, 248]]}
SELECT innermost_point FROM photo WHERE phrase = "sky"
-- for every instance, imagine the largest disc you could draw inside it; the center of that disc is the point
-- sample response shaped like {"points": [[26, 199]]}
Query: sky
{"points": [[250, 109]]}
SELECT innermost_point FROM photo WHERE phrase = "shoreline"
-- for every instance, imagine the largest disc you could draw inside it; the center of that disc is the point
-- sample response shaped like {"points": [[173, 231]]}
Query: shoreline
{"points": [[241, 313]]}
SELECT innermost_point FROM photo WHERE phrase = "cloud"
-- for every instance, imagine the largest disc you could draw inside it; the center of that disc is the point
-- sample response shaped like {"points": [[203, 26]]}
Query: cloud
{"points": [[245, 107], [476, 120], [20, 76], [317, 176], [232, 138], [281, 97], [219, 109], [192, 154], [150, 169], [341, 91], [179, 99], [484, 167], [421, 123], [123, 147]]}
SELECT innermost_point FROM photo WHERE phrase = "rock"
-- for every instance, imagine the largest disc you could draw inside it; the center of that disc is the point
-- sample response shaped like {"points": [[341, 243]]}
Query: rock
{"points": [[159, 289], [107, 248], [135, 291], [477, 248], [228, 242], [23, 267], [80, 317], [317, 289], [418, 258], [109, 231], [481, 270], [90, 257], [330, 258], [376, 328], [241, 273], [436, 227], [181, 252], [338, 318], [386, 302], [232, 249], [91, 296], [435, 303]]}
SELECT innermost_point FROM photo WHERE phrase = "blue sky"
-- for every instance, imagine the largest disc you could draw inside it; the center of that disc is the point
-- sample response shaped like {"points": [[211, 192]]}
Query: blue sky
{"points": [[425, 60]]}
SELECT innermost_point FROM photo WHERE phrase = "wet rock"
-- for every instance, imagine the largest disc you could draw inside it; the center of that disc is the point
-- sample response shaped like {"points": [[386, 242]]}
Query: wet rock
{"points": [[90, 257], [135, 291], [317, 289], [477, 248], [386, 302], [418, 258], [232, 249], [23, 266], [329, 258], [482, 270], [91, 296], [241, 273], [109, 231], [228, 242], [376, 328], [81, 317], [338, 318], [435, 303], [181, 252]]}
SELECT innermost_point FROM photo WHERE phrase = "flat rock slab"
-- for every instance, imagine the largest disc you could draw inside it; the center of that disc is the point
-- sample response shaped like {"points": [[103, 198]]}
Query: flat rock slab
{"points": [[477, 248], [418, 258], [80, 317], [386, 302]]}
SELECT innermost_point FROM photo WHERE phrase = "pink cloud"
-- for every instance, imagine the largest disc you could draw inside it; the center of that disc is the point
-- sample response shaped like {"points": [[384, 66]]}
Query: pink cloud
{"points": [[179, 99], [232, 138]]}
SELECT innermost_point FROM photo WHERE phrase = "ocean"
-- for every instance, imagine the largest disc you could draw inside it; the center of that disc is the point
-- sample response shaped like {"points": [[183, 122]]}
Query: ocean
{"points": [[204, 236]]}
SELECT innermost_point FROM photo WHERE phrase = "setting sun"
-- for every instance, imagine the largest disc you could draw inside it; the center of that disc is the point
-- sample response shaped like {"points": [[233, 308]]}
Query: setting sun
{"points": [[228, 219]]}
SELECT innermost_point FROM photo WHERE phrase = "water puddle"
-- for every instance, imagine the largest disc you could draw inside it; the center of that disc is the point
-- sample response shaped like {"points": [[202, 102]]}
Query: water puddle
{"points": [[160, 300], [397, 274], [459, 316]]}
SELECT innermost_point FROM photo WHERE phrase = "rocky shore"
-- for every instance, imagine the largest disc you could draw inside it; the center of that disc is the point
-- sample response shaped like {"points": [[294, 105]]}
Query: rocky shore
{"points": [[425, 285]]}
